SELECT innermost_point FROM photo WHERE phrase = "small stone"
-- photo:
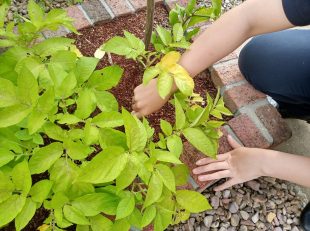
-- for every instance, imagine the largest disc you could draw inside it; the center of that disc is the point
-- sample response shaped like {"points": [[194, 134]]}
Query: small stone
{"points": [[295, 228], [255, 218], [289, 221], [226, 194], [234, 220], [259, 198], [208, 221], [244, 215], [278, 229], [233, 207], [254, 185], [270, 217], [243, 228], [215, 224], [215, 202]]}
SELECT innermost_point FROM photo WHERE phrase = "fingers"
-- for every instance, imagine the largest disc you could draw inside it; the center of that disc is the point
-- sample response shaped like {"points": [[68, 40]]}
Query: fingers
{"points": [[211, 167], [138, 114], [215, 176], [205, 161], [233, 143], [226, 185]]}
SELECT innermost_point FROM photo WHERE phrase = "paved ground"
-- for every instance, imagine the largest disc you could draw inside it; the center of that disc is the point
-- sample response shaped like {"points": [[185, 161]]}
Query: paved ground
{"points": [[299, 142]]}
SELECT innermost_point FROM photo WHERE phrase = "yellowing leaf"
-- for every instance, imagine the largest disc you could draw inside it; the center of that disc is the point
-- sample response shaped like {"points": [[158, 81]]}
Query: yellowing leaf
{"points": [[169, 60], [43, 227], [99, 54], [182, 79]]}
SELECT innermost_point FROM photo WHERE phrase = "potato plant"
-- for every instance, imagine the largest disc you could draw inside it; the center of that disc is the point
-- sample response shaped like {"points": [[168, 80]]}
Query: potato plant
{"points": [[65, 144]]}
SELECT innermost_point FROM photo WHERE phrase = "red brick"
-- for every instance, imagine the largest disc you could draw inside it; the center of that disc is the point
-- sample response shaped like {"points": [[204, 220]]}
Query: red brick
{"points": [[79, 18], [119, 7], [138, 4], [224, 146], [171, 3], [226, 73], [95, 11], [240, 96], [273, 121], [232, 55], [247, 132], [189, 157]]}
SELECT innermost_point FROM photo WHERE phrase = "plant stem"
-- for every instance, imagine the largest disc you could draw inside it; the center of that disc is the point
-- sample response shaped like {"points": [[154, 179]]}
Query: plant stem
{"points": [[149, 23]]}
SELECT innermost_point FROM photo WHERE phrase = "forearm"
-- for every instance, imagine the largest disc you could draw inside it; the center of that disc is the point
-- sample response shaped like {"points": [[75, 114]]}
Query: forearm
{"points": [[250, 18], [293, 168]]}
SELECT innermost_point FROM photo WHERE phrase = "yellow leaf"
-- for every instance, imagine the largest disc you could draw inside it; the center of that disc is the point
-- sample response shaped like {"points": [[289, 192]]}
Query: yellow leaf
{"points": [[43, 227], [169, 60], [99, 54], [184, 82], [76, 51]]}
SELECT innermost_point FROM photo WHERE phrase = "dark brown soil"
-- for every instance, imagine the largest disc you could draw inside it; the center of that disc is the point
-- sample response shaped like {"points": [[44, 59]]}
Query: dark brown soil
{"points": [[92, 38]]}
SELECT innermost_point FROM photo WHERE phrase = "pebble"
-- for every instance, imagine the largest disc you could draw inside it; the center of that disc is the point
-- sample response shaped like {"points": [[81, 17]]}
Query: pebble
{"points": [[244, 215], [226, 194], [215, 202], [234, 220], [255, 218], [270, 217], [254, 185], [233, 207], [208, 221]]}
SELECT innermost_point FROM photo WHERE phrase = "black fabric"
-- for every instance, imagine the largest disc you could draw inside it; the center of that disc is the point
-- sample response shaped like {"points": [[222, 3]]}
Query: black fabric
{"points": [[297, 11], [305, 218], [278, 64]]}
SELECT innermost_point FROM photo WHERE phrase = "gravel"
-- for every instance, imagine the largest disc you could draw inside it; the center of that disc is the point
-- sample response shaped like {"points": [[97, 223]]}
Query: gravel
{"points": [[226, 4], [262, 204], [19, 7]]}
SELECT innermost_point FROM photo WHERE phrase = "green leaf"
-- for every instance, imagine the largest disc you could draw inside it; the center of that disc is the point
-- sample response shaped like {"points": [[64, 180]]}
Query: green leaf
{"points": [[86, 103], [37, 117], [59, 199], [8, 95], [148, 215], [45, 157], [68, 119], [191, 6], [166, 176], [135, 218], [67, 59], [100, 223], [192, 201], [111, 137], [84, 68], [129, 173], [10, 208], [54, 132], [154, 191], [91, 134], [125, 206], [95, 203], [178, 32], [77, 150], [21, 177], [173, 17], [166, 156], [135, 132], [13, 115], [82, 228], [179, 115], [40, 190], [121, 225], [164, 35], [181, 174], [200, 141], [24, 217], [106, 78], [136, 43], [35, 13], [149, 74], [6, 187], [110, 119], [106, 101], [166, 127], [67, 86], [117, 45], [5, 156], [175, 145], [113, 158], [74, 215], [79, 189], [163, 219], [196, 19], [164, 84], [27, 86]]}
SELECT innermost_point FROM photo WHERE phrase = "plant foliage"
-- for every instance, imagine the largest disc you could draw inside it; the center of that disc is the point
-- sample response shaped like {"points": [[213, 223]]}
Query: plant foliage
{"points": [[59, 120]]}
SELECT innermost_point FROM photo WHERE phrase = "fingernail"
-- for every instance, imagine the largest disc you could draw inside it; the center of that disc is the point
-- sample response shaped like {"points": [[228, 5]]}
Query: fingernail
{"points": [[194, 171]]}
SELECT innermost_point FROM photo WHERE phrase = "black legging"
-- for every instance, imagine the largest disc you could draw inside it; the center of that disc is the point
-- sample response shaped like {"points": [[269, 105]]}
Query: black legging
{"points": [[278, 64]]}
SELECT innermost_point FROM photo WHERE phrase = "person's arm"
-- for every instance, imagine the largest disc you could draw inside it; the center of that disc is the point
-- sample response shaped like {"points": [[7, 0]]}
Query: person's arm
{"points": [[251, 18], [244, 164]]}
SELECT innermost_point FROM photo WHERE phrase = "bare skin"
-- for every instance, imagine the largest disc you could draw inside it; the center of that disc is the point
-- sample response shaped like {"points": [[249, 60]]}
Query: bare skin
{"points": [[251, 18]]}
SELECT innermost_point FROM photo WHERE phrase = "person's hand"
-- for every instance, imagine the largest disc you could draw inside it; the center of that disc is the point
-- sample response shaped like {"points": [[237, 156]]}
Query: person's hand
{"points": [[240, 165], [147, 100]]}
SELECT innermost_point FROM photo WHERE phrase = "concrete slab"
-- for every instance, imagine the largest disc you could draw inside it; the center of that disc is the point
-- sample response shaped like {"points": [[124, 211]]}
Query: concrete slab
{"points": [[299, 142]]}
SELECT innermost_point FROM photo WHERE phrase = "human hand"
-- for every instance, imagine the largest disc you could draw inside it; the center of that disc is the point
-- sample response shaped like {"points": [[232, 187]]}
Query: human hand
{"points": [[240, 165], [147, 100]]}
